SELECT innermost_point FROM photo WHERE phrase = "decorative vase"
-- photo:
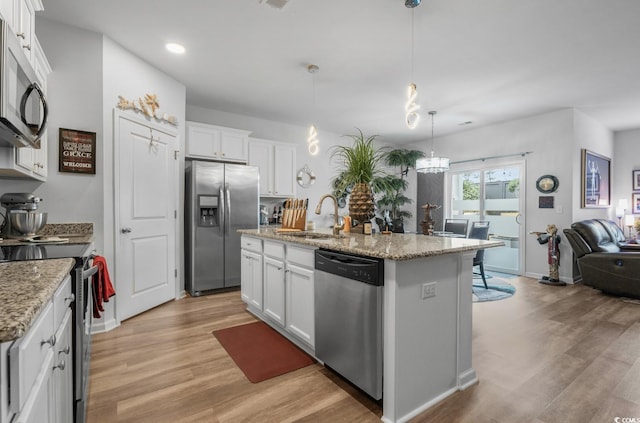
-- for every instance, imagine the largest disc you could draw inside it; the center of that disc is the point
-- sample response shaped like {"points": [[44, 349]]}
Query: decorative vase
{"points": [[361, 205]]}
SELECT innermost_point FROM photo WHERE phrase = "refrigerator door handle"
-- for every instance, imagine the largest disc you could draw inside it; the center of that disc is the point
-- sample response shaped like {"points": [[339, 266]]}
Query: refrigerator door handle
{"points": [[227, 211], [221, 212]]}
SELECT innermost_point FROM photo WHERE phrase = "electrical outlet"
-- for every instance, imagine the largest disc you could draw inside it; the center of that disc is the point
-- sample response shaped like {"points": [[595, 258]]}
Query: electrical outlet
{"points": [[428, 290]]}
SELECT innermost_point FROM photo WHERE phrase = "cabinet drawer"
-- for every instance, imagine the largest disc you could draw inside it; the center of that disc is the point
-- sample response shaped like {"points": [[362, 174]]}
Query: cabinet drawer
{"points": [[61, 301], [274, 249], [301, 256], [251, 244], [27, 356]]}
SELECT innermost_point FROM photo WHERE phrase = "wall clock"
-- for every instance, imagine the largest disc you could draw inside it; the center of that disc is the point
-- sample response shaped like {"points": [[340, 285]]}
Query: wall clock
{"points": [[547, 184]]}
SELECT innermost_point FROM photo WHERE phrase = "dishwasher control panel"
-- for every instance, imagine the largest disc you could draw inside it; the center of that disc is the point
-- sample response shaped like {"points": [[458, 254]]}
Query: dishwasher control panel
{"points": [[364, 269]]}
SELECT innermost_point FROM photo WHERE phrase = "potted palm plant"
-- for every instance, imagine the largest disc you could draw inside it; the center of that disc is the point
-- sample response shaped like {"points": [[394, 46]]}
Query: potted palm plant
{"points": [[359, 174], [393, 197]]}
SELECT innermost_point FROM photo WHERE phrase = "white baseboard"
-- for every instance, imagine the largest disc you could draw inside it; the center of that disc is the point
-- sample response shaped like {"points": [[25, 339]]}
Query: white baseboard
{"points": [[105, 326], [422, 408], [467, 379]]}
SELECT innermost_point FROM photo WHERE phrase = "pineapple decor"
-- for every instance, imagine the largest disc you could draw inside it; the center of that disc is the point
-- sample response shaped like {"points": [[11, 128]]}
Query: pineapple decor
{"points": [[359, 174]]}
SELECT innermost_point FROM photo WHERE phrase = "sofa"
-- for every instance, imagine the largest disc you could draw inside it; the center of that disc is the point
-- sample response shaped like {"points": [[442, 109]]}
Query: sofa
{"points": [[603, 259]]}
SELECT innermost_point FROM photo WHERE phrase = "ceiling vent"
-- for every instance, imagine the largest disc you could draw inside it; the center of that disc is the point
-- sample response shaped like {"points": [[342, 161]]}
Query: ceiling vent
{"points": [[278, 4]]}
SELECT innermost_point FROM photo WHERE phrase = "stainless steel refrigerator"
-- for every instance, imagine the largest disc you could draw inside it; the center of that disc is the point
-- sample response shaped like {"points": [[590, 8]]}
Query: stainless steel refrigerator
{"points": [[220, 198]]}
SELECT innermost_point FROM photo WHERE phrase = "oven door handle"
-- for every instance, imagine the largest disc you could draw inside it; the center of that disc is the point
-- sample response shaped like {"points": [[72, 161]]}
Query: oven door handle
{"points": [[86, 274]]}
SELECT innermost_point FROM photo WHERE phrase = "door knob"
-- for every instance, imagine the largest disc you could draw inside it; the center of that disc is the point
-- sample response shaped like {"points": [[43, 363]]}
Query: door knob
{"points": [[125, 230]]}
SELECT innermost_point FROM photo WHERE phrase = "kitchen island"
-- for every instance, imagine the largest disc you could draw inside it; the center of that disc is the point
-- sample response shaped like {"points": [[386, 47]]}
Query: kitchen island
{"points": [[427, 335]]}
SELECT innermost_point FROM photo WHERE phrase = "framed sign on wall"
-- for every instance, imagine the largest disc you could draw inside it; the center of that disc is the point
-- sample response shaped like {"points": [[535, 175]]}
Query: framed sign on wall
{"points": [[77, 151], [596, 180]]}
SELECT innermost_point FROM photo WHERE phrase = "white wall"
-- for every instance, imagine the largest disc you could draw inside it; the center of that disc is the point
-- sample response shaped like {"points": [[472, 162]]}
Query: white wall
{"points": [[74, 95], [128, 76], [554, 140], [89, 72], [592, 135], [626, 156]]}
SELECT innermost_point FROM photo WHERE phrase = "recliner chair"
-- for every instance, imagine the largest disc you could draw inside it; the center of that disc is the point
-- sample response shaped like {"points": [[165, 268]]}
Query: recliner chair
{"points": [[602, 260]]}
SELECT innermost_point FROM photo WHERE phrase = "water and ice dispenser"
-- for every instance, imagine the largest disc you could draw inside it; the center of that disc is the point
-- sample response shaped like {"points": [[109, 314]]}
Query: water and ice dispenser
{"points": [[208, 210]]}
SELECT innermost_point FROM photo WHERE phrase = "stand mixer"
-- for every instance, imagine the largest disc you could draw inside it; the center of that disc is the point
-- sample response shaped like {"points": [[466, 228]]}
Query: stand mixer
{"points": [[21, 218]]}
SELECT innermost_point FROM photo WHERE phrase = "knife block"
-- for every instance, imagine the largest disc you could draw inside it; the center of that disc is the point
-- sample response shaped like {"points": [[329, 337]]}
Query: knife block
{"points": [[294, 220]]}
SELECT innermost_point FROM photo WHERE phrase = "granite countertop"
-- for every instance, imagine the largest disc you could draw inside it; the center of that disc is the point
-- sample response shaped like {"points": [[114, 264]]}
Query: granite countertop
{"points": [[25, 286], [393, 247], [76, 233]]}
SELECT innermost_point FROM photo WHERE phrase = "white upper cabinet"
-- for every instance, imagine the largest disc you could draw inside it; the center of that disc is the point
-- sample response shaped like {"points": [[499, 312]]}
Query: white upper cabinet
{"points": [[20, 16], [216, 142], [276, 162], [25, 161]]}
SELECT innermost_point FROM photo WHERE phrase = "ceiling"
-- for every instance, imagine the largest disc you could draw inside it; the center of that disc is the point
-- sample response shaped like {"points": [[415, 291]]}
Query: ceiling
{"points": [[474, 61]]}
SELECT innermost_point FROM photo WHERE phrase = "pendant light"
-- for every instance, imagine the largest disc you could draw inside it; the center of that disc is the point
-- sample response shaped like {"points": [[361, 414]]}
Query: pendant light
{"points": [[432, 164], [412, 117], [313, 144]]}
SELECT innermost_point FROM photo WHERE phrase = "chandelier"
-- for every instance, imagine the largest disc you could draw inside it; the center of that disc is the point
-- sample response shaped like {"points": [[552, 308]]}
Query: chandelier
{"points": [[433, 163]]}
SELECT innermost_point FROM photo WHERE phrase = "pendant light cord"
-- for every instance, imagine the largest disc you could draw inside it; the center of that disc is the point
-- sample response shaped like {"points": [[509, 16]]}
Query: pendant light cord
{"points": [[412, 45]]}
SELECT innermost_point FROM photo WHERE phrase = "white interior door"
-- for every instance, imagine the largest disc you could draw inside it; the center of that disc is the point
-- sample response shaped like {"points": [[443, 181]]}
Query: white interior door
{"points": [[146, 174]]}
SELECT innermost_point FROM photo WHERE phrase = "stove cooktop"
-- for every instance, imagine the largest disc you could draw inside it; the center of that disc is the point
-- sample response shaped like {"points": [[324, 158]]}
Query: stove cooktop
{"points": [[42, 251]]}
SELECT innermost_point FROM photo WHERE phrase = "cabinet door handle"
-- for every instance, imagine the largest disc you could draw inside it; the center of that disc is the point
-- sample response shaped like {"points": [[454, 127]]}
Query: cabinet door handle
{"points": [[71, 299], [125, 230], [65, 350], [60, 366], [51, 341], [20, 35], [27, 47]]}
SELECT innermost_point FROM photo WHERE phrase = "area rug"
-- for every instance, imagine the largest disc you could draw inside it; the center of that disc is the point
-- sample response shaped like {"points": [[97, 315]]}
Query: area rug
{"points": [[498, 290], [261, 352]]}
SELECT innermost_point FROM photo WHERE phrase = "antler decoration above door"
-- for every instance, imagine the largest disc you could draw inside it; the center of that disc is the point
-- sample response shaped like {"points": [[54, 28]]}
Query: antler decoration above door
{"points": [[149, 106]]}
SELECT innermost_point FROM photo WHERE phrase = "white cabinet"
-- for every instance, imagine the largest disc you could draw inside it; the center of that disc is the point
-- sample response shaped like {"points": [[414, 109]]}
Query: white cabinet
{"points": [[274, 281], [216, 142], [25, 161], [300, 310], [25, 15], [40, 366], [251, 273], [287, 289], [62, 373], [277, 162], [20, 16]]}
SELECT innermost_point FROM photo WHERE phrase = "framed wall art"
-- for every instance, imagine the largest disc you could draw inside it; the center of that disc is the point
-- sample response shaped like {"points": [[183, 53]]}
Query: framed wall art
{"points": [[635, 202], [595, 180], [77, 151], [636, 180]]}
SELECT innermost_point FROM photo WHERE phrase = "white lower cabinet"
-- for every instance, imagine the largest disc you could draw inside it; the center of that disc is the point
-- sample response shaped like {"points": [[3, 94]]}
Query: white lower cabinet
{"points": [[300, 303], [41, 366], [287, 288], [274, 294], [251, 279], [62, 369]]}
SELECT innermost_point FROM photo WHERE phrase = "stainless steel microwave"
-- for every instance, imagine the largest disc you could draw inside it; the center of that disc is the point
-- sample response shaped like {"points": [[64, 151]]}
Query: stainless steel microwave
{"points": [[23, 107]]}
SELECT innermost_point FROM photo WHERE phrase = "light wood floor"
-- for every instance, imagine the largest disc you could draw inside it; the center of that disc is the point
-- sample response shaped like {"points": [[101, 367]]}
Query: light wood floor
{"points": [[546, 355]]}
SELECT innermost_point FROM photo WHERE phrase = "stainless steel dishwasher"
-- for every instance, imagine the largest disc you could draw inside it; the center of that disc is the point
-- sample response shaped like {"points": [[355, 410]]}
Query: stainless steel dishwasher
{"points": [[348, 317]]}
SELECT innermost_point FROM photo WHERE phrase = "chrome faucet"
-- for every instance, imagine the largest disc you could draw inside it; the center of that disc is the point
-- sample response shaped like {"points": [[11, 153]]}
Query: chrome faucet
{"points": [[337, 227]]}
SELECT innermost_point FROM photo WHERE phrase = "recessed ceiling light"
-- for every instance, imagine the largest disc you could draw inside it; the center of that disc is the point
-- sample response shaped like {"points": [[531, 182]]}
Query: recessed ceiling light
{"points": [[465, 123], [175, 48]]}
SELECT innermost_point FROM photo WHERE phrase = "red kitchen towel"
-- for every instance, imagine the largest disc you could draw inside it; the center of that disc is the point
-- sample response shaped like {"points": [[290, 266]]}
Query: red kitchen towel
{"points": [[102, 287]]}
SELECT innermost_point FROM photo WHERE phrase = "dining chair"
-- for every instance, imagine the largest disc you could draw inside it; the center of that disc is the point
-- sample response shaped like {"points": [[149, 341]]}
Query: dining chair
{"points": [[456, 226], [480, 230]]}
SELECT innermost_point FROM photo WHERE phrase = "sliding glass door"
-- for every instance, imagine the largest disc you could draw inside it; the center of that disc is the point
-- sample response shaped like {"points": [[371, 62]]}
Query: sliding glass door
{"points": [[492, 193]]}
